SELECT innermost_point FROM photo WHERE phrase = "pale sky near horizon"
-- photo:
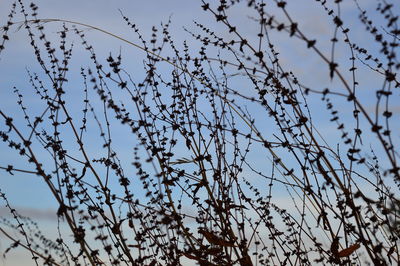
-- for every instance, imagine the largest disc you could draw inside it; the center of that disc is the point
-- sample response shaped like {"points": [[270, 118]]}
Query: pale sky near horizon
{"points": [[24, 191]]}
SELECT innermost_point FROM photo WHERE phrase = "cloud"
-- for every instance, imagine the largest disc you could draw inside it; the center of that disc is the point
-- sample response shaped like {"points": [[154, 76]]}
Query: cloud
{"points": [[33, 213]]}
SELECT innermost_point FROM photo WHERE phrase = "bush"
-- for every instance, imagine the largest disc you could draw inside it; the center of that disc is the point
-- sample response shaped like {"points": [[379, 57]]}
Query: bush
{"points": [[239, 157]]}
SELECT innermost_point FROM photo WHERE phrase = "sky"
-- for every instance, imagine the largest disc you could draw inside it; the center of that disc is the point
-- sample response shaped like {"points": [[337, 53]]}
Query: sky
{"points": [[26, 192]]}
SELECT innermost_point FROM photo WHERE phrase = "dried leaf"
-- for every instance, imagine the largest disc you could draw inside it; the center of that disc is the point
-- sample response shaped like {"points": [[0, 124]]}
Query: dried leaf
{"points": [[235, 206], [189, 256], [213, 239], [348, 251]]}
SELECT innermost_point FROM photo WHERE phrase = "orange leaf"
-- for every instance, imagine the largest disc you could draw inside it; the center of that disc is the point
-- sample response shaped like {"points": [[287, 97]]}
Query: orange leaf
{"points": [[348, 251]]}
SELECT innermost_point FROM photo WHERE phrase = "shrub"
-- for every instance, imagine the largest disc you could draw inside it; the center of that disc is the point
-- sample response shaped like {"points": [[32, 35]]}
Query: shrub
{"points": [[234, 158]]}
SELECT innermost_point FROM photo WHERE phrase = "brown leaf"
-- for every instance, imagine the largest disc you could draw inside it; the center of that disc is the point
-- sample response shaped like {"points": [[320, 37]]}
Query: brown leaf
{"points": [[348, 251], [213, 239], [189, 256]]}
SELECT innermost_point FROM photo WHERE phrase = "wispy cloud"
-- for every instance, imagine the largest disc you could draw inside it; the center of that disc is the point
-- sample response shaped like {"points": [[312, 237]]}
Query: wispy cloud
{"points": [[33, 213]]}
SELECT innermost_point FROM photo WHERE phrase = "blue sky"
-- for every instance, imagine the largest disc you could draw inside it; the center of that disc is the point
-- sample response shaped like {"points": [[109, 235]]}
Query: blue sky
{"points": [[29, 194]]}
